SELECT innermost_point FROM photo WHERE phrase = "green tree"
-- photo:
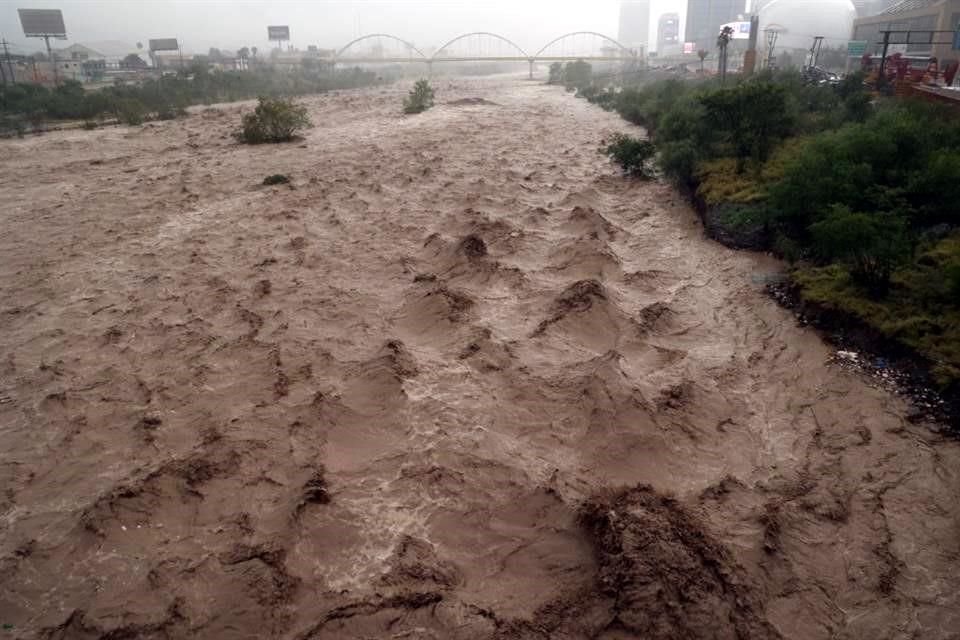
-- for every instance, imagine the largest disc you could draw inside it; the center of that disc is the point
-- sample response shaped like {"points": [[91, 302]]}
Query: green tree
{"points": [[556, 73], [684, 138], [577, 75], [753, 118]]}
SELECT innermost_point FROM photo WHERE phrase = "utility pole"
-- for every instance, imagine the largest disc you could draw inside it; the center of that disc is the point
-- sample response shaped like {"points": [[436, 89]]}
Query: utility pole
{"points": [[815, 51], [6, 62], [750, 58], [883, 56], [53, 60], [771, 43]]}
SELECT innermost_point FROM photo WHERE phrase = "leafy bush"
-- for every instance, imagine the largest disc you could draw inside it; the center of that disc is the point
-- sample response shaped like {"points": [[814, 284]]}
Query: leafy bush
{"points": [[277, 178], [870, 245], [953, 282], [274, 120], [12, 125], [556, 73], [420, 98], [170, 112], [130, 111], [630, 153]]}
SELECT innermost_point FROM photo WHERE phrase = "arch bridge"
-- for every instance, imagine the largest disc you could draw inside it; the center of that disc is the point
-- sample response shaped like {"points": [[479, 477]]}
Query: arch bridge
{"points": [[484, 46]]}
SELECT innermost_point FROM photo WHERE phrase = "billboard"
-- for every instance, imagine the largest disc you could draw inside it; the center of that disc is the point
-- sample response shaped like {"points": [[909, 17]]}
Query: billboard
{"points": [[689, 47], [741, 30], [278, 33], [164, 44], [42, 22], [856, 48], [668, 30]]}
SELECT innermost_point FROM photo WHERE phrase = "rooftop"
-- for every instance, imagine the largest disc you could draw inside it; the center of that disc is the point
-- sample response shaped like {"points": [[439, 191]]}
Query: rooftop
{"points": [[908, 5]]}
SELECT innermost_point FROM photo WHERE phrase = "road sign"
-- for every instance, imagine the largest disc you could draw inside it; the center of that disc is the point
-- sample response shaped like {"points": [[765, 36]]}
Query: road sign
{"points": [[856, 48], [38, 23], [278, 33], [164, 44]]}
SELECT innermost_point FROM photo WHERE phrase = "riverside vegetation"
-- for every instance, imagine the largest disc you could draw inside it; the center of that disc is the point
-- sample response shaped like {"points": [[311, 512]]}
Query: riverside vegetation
{"points": [[859, 194], [24, 106], [420, 98], [273, 120]]}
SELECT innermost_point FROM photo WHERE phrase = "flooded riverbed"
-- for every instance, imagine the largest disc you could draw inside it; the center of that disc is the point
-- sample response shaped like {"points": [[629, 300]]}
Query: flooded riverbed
{"points": [[403, 396]]}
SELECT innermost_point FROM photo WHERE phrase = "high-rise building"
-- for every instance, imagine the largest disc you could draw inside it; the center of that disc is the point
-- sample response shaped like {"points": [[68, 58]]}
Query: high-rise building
{"points": [[704, 18], [668, 32], [634, 23]]}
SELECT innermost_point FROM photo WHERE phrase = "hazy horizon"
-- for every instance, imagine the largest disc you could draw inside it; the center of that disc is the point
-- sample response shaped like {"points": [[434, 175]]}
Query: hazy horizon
{"points": [[199, 25]]}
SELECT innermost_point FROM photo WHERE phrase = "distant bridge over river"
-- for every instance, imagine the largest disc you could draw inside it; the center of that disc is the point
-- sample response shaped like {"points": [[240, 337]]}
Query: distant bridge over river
{"points": [[484, 46]]}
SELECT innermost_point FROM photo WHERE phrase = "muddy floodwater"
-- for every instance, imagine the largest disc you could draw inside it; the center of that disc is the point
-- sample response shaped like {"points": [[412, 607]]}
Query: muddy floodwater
{"points": [[458, 380]]}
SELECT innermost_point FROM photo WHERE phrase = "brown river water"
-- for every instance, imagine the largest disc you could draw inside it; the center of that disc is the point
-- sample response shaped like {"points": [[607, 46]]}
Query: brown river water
{"points": [[459, 380]]}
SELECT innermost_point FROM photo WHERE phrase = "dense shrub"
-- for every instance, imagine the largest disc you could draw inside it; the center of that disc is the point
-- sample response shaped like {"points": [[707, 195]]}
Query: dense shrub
{"points": [[577, 74], [274, 120], [871, 245], [276, 178], [905, 159], [420, 98], [684, 137], [556, 73], [130, 111], [630, 153]]}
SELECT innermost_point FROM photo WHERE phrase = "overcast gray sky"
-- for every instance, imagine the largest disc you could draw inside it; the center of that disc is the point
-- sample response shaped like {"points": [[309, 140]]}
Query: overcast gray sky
{"points": [[201, 24]]}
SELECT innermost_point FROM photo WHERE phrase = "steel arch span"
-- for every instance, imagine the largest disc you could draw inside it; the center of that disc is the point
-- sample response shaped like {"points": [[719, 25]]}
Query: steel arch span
{"points": [[409, 45], [513, 44], [626, 50]]}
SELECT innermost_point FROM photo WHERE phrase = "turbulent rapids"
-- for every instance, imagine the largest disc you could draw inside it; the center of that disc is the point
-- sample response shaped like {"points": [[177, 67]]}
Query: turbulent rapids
{"points": [[458, 379]]}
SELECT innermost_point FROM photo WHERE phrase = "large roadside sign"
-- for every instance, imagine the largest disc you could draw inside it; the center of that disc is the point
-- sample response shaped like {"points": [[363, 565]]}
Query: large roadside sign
{"points": [[38, 23], [164, 44], [856, 48], [278, 32]]}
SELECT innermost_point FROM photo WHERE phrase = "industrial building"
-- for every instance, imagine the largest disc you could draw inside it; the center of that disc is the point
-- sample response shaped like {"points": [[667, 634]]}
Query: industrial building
{"points": [[919, 16]]}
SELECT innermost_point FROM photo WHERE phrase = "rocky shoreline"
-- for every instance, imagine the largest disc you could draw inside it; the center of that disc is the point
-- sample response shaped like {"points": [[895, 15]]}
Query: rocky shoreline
{"points": [[890, 365]]}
